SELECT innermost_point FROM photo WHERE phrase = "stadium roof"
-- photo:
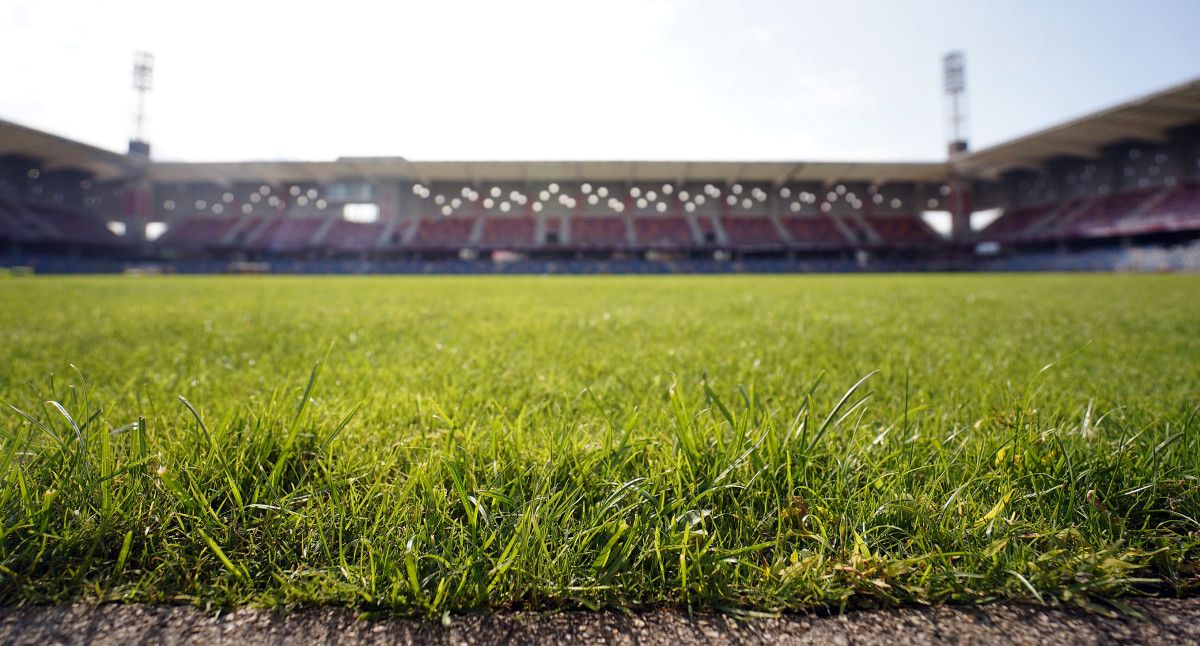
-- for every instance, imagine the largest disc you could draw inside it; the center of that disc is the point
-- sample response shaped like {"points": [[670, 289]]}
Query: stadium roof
{"points": [[55, 152], [475, 172], [1149, 118]]}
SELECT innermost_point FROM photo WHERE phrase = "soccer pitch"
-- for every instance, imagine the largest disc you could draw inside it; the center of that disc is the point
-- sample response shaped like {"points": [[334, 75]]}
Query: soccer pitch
{"points": [[434, 444]]}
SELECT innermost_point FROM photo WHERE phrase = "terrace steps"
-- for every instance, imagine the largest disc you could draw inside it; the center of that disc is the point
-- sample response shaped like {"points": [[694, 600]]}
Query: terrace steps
{"points": [[1069, 215], [231, 236], [848, 234], [323, 232], [1152, 202], [784, 234]]}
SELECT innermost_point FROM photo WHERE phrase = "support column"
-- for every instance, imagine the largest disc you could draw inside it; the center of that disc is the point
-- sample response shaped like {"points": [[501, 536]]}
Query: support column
{"points": [[138, 208], [387, 198], [959, 203]]}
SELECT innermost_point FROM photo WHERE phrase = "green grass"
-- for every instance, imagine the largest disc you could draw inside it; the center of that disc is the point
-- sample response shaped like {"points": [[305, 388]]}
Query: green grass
{"points": [[423, 445]]}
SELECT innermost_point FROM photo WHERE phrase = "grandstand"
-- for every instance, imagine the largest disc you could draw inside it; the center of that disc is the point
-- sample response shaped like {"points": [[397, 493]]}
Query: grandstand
{"points": [[1128, 175]]}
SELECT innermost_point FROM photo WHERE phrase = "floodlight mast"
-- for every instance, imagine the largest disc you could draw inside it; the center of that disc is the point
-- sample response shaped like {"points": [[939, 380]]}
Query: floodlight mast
{"points": [[143, 82], [955, 88], [138, 189], [954, 73]]}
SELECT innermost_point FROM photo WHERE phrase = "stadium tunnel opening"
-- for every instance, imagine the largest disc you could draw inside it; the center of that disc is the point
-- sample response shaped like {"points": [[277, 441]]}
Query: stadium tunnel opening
{"points": [[939, 221], [154, 230], [361, 212]]}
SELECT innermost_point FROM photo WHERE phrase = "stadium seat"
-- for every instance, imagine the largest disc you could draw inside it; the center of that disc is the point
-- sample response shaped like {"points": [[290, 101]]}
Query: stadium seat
{"points": [[1016, 223], [16, 225], [1178, 210], [751, 232], [345, 236], [73, 227], [196, 233], [814, 232], [509, 233], [286, 234], [451, 233], [1104, 213], [663, 232], [598, 233], [901, 230]]}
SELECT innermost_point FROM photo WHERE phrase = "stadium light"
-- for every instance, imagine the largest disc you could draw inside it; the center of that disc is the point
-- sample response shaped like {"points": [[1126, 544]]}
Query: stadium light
{"points": [[143, 82], [955, 87]]}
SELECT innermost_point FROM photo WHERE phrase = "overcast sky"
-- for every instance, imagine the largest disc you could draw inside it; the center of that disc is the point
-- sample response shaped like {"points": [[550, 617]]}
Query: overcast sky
{"points": [[617, 79]]}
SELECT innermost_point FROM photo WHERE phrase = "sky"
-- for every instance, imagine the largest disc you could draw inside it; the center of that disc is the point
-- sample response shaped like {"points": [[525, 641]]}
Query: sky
{"points": [[617, 79]]}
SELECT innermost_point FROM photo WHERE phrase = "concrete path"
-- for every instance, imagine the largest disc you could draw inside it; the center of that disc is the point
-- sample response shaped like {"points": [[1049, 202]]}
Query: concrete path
{"points": [[1166, 621]]}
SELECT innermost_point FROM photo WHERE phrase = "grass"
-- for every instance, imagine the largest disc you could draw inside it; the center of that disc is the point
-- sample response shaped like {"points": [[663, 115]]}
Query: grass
{"points": [[424, 445]]}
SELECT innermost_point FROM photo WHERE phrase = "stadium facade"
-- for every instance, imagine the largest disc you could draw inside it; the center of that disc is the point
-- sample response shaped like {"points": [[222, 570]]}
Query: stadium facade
{"points": [[1080, 195]]}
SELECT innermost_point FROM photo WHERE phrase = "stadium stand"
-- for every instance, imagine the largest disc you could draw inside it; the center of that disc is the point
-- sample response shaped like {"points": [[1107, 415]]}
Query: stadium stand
{"points": [[1176, 211], [1136, 212], [1098, 216], [1017, 223], [444, 234], [1123, 178], [70, 227], [751, 233], [856, 230], [603, 232], [663, 232], [901, 231], [346, 237], [15, 225], [286, 234], [515, 233], [814, 232], [197, 233]]}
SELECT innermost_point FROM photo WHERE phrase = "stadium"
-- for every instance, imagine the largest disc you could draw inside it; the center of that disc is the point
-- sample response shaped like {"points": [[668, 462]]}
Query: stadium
{"points": [[637, 323], [1117, 189]]}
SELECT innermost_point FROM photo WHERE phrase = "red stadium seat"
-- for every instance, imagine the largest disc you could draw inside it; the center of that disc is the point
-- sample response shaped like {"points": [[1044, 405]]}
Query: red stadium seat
{"points": [[72, 227], [663, 232], [1178, 210], [509, 233], [289, 234], [901, 230], [598, 233], [345, 236], [444, 233], [197, 233], [1017, 223], [1106, 211], [816, 232], [751, 232]]}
